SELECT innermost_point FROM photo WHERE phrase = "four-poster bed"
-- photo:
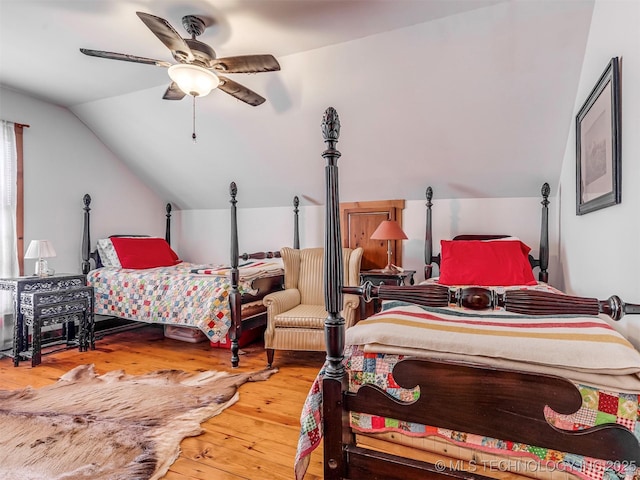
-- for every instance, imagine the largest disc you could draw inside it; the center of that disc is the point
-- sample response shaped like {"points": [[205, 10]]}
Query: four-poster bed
{"points": [[460, 390], [542, 262], [148, 283]]}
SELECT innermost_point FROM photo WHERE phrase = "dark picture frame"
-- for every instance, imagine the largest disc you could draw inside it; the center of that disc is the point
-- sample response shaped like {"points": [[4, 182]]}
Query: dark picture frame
{"points": [[598, 143]]}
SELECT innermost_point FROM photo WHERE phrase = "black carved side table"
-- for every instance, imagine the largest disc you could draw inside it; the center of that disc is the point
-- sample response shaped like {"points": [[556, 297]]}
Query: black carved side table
{"points": [[382, 277], [19, 285], [56, 307]]}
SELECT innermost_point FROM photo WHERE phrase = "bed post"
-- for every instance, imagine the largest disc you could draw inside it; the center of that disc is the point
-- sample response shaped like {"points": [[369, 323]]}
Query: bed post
{"points": [[167, 228], [543, 254], [296, 231], [86, 235], [428, 237], [234, 296], [333, 383]]}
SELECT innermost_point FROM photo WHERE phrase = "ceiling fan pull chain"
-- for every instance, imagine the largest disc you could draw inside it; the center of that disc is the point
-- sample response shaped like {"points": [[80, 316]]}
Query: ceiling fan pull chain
{"points": [[193, 135]]}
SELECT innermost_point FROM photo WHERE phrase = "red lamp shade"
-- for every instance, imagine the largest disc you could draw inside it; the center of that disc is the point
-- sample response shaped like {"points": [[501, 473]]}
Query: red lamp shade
{"points": [[389, 230]]}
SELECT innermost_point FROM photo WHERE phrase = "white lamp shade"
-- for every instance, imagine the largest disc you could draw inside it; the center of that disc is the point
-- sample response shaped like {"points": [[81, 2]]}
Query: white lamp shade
{"points": [[40, 249], [193, 80]]}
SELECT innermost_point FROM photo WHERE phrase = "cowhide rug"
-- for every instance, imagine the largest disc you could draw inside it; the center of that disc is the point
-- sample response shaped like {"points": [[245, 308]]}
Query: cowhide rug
{"points": [[113, 426]]}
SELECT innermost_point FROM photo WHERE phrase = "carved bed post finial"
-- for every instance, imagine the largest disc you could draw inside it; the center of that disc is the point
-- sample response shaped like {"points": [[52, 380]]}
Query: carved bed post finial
{"points": [[545, 190], [167, 228], [331, 128], [296, 230], [233, 191], [86, 234], [428, 237], [544, 234], [234, 296]]}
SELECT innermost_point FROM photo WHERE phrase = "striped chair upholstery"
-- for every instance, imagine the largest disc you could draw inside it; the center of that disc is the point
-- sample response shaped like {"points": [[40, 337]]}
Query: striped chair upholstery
{"points": [[296, 315]]}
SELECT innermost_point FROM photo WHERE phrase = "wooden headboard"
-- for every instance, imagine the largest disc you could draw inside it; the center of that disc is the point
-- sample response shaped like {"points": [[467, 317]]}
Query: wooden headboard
{"points": [[87, 254], [543, 253]]}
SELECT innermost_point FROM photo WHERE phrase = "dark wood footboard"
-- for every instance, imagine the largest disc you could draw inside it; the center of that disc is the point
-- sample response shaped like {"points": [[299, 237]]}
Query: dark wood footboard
{"points": [[488, 402]]}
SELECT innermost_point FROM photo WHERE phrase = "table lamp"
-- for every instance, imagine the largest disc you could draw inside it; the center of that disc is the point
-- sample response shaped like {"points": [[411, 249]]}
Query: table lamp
{"points": [[389, 230], [40, 249]]}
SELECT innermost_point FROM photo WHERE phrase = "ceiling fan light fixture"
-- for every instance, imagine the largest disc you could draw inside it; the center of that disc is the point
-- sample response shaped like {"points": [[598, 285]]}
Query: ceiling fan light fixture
{"points": [[193, 80]]}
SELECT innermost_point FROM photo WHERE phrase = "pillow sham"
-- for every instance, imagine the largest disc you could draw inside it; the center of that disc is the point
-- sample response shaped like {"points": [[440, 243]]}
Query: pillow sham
{"points": [[478, 262], [108, 255], [144, 252]]}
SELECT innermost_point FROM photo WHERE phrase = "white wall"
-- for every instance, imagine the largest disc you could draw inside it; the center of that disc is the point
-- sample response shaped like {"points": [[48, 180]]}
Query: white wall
{"points": [[204, 234], [600, 251], [63, 160]]}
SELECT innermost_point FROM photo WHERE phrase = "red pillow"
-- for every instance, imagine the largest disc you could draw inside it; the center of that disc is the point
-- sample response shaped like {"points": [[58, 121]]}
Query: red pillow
{"points": [[477, 262], [144, 252]]}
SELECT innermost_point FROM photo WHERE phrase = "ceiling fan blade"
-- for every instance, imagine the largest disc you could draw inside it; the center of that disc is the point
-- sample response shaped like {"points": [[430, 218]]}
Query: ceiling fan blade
{"points": [[125, 57], [240, 92], [167, 35], [173, 92], [246, 64]]}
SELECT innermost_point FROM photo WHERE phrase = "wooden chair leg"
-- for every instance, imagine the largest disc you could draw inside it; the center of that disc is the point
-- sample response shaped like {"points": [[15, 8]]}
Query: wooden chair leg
{"points": [[270, 353]]}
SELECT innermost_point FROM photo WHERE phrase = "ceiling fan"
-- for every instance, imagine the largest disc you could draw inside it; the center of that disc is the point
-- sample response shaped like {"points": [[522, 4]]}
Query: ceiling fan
{"points": [[196, 72]]}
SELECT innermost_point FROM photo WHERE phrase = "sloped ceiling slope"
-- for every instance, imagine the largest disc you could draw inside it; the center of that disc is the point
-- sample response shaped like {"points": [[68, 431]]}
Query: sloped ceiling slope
{"points": [[475, 101]]}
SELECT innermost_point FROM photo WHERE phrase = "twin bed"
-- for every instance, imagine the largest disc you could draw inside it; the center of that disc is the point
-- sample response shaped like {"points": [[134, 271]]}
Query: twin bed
{"points": [[141, 278], [471, 375]]}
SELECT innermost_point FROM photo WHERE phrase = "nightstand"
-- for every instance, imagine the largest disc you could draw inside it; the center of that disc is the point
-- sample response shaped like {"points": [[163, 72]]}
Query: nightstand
{"points": [[28, 285], [381, 277], [58, 307]]}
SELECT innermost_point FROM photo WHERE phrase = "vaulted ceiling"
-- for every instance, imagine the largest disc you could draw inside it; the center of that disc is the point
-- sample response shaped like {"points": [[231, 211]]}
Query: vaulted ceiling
{"points": [[474, 97]]}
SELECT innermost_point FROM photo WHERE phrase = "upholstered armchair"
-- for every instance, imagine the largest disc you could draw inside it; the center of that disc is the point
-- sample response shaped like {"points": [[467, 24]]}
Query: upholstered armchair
{"points": [[296, 315]]}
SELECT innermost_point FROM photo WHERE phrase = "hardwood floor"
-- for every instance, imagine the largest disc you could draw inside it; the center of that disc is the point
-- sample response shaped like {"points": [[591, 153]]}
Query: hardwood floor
{"points": [[254, 439]]}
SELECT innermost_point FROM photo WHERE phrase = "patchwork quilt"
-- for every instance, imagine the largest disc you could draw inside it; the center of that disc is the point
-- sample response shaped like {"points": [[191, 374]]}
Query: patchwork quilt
{"points": [[598, 407], [172, 295]]}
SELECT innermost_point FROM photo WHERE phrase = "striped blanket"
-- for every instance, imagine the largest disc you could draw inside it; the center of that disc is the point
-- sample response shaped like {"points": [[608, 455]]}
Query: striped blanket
{"points": [[583, 349], [248, 271]]}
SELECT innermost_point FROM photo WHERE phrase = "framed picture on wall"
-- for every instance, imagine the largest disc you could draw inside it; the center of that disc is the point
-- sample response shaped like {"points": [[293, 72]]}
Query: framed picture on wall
{"points": [[598, 156]]}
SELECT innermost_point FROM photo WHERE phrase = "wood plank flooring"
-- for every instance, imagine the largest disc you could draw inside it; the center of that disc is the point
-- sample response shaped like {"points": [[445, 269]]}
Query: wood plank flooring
{"points": [[254, 439]]}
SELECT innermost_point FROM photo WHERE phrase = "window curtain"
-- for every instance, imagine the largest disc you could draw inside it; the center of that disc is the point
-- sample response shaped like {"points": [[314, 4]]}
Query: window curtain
{"points": [[8, 202]]}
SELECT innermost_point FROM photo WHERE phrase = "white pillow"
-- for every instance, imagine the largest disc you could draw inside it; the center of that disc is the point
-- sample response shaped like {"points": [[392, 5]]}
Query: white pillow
{"points": [[503, 239], [108, 254]]}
